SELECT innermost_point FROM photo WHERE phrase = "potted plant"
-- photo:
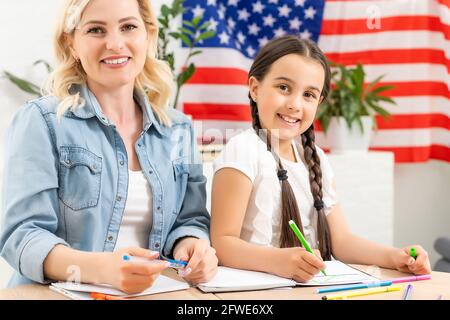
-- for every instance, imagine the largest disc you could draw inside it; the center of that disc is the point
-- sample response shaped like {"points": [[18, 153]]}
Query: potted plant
{"points": [[348, 117]]}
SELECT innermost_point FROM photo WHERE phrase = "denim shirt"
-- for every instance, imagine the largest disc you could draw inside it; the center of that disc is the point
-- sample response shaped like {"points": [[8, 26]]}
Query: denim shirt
{"points": [[66, 181]]}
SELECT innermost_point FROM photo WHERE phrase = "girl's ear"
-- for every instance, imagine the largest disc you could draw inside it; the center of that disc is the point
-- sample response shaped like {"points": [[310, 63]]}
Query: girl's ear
{"points": [[253, 84], [321, 99]]}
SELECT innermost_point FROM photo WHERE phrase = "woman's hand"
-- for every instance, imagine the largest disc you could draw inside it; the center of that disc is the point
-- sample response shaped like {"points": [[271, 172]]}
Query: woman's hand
{"points": [[298, 264], [132, 276], [405, 263], [201, 257]]}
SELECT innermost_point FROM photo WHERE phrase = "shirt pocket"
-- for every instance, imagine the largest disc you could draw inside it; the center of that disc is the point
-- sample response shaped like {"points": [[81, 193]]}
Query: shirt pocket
{"points": [[79, 177], [181, 176]]}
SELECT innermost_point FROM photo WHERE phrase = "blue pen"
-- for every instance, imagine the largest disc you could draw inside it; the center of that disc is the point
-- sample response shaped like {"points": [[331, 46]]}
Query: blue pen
{"points": [[372, 284], [176, 264], [408, 292]]}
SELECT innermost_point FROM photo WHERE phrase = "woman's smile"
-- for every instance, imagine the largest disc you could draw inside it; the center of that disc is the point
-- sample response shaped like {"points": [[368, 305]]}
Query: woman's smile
{"points": [[115, 62]]}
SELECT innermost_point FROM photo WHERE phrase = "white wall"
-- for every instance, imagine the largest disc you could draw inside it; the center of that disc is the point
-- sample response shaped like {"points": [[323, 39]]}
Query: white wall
{"points": [[421, 190]]}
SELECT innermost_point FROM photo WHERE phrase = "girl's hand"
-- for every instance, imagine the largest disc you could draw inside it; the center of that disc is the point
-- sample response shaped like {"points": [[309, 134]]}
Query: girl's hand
{"points": [[405, 263], [132, 276], [201, 257], [298, 264]]}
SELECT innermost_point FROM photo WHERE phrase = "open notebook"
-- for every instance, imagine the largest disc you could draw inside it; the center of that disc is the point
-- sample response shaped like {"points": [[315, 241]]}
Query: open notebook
{"points": [[229, 279], [82, 291]]}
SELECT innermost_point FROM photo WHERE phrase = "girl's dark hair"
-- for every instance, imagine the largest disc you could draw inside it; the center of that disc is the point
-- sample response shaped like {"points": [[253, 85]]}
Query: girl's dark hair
{"points": [[270, 53]]}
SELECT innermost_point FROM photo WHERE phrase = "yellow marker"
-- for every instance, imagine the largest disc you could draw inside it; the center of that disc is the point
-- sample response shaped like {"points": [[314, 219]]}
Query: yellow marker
{"points": [[357, 293]]}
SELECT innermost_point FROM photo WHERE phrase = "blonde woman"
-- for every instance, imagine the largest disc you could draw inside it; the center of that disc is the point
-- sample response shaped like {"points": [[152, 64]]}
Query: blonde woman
{"points": [[101, 167]]}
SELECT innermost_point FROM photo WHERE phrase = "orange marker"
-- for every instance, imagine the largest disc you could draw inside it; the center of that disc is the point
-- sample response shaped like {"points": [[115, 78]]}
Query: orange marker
{"points": [[102, 296]]}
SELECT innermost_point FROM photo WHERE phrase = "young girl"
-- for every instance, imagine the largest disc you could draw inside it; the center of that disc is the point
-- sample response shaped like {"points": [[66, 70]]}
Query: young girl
{"points": [[274, 172]]}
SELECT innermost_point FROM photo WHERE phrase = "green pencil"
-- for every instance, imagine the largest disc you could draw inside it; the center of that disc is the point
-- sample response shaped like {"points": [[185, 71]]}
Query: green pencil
{"points": [[302, 239]]}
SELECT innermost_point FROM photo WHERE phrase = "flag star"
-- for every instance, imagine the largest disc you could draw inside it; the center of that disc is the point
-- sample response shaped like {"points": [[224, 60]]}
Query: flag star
{"points": [[263, 41], [221, 11], [258, 7], [273, 1], [212, 24], [253, 29], [309, 13], [231, 23], [243, 14], [238, 45], [224, 37], [241, 37], [284, 11], [197, 34], [269, 20], [212, 3], [251, 52], [295, 24], [279, 32], [299, 3], [233, 3], [198, 11], [305, 34]]}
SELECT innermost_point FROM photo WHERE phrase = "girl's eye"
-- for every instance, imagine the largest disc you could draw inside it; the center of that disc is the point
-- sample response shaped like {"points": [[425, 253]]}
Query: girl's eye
{"points": [[310, 95], [129, 27], [96, 30], [284, 88]]}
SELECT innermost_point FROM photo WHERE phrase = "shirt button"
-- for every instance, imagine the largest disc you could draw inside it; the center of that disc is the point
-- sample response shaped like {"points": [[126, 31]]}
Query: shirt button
{"points": [[139, 145], [118, 198], [122, 162], [157, 245], [110, 238], [151, 172], [67, 161], [159, 208], [94, 167]]}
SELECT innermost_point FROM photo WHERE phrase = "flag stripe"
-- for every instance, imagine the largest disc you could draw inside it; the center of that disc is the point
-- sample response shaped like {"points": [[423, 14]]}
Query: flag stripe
{"points": [[391, 73], [414, 121], [418, 154], [235, 112], [399, 23], [432, 56], [348, 10], [218, 111], [238, 94], [415, 154], [391, 138], [239, 77], [385, 40]]}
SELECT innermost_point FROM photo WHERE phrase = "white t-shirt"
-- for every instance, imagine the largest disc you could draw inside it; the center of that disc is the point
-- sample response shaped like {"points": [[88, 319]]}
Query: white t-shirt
{"points": [[247, 153], [137, 216]]}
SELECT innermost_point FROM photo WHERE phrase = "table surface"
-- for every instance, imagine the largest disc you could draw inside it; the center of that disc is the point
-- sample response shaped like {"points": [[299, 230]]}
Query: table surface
{"points": [[423, 290]]}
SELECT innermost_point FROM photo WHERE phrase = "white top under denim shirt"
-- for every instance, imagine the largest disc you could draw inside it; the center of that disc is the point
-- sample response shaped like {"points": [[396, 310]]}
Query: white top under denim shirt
{"points": [[247, 153], [137, 215], [65, 182]]}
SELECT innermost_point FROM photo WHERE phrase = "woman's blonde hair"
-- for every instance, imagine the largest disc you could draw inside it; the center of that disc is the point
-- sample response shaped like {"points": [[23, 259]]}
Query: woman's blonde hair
{"points": [[155, 80]]}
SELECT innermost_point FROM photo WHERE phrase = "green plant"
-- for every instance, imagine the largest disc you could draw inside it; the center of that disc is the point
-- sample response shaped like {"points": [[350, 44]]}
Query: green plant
{"points": [[190, 33], [351, 99], [26, 85]]}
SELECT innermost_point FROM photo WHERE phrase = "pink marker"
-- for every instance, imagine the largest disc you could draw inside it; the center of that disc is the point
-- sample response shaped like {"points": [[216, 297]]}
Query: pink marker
{"points": [[412, 278]]}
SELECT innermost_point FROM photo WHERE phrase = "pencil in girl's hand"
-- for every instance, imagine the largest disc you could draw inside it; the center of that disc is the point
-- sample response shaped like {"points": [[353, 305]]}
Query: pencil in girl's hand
{"points": [[302, 239]]}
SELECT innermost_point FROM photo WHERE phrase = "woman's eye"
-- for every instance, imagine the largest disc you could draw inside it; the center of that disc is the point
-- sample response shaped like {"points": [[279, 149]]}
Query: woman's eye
{"points": [[95, 30], [129, 27]]}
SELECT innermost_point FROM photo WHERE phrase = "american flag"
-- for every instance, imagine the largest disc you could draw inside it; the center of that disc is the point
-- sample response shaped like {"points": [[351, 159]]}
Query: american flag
{"points": [[408, 41]]}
